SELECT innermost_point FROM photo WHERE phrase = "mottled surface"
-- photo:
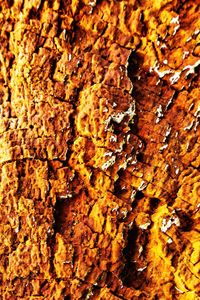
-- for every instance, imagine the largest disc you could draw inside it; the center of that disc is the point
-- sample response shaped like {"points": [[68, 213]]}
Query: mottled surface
{"points": [[99, 149]]}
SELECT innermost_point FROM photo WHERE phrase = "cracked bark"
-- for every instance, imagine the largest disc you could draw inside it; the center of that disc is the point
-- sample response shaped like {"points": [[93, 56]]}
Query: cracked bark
{"points": [[99, 201]]}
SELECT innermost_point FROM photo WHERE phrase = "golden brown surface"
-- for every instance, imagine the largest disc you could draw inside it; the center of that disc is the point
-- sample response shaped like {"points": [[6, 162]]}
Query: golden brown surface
{"points": [[99, 149]]}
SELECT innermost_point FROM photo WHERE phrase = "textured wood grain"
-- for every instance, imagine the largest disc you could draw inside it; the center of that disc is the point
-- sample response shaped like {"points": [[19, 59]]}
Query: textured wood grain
{"points": [[99, 149]]}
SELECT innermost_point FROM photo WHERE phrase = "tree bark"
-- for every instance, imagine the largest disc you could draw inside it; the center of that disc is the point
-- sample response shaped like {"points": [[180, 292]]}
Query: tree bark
{"points": [[99, 149]]}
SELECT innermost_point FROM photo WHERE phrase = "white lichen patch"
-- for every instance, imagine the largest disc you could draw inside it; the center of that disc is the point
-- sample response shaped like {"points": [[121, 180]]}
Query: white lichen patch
{"points": [[140, 251], [118, 117], [109, 153], [191, 68], [16, 229], [142, 185], [176, 28], [163, 147], [161, 74], [145, 226], [197, 112], [159, 113], [142, 269], [113, 138], [67, 195], [169, 241], [177, 170], [185, 54], [173, 79], [175, 20], [92, 3], [115, 208], [168, 131], [189, 126], [133, 193], [109, 163], [167, 224]]}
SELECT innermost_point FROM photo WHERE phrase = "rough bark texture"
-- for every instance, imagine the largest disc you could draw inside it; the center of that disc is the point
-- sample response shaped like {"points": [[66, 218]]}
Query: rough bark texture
{"points": [[99, 149]]}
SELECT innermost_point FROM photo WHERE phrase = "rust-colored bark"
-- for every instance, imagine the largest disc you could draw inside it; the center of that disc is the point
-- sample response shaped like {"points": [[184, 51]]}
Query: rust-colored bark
{"points": [[99, 149]]}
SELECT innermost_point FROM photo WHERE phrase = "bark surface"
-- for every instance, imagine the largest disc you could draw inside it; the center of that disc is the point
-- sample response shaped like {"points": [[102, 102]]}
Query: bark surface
{"points": [[99, 149]]}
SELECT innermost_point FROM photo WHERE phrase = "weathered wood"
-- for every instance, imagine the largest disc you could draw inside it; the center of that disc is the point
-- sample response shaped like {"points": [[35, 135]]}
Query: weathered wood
{"points": [[99, 149]]}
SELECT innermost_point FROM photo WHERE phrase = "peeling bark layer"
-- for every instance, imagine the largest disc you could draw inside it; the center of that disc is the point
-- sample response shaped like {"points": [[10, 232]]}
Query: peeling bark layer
{"points": [[99, 149]]}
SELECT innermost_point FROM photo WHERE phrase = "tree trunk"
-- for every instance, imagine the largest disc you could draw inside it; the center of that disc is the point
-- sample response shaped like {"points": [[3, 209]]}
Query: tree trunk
{"points": [[99, 149]]}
